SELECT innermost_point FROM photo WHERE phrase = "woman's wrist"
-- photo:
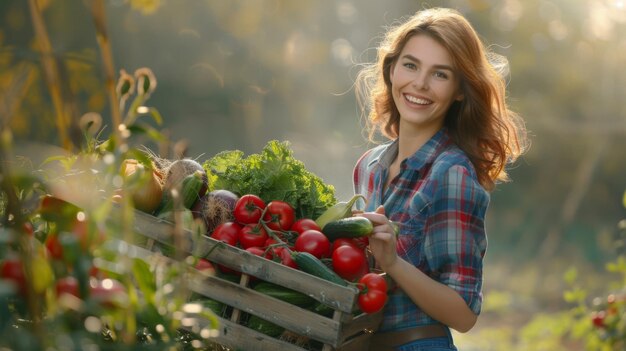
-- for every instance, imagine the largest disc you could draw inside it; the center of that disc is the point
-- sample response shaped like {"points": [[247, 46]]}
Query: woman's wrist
{"points": [[392, 266]]}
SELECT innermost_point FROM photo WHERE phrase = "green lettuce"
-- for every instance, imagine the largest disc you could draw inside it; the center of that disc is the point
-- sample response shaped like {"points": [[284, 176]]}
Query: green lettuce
{"points": [[272, 174]]}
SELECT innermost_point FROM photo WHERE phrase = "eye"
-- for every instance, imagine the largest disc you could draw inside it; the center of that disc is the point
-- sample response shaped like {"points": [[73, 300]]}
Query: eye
{"points": [[409, 65], [440, 75]]}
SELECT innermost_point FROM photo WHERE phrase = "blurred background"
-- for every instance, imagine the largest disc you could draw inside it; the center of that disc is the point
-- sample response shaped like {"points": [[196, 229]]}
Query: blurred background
{"points": [[236, 74]]}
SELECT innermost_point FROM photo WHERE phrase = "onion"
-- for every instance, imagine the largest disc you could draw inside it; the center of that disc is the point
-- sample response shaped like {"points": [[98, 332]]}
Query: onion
{"points": [[215, 208], [147, 192], [226, 196]]}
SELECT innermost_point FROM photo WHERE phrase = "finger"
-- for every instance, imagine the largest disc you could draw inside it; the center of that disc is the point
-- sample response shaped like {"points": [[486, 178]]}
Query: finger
{"points": [[382, 236], [375, 217], [380, 209]]}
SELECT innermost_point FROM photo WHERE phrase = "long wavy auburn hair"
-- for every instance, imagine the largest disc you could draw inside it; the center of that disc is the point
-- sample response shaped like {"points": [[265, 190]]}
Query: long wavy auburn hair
{"points": [[481, 124]]}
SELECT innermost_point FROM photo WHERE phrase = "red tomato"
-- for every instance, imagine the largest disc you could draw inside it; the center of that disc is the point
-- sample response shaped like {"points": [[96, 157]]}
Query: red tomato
{"points": [[597, 318], [303, 224], [12, 269], [205, 265], [374, 281], [109, 292], [373, 295], [362, 241], [259, 251], [279, 215], [286, 259], [281, 254], [227, 232], [87, 239], [344, 241], [349, 262], [56, 210], [54, 246], [314, 242], [252, 235], [372, 301], [67, 285], [248, 209]]}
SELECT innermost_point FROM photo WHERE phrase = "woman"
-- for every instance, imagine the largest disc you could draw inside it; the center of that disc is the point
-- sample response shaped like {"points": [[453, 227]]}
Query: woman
{"points": [[439, 97]]}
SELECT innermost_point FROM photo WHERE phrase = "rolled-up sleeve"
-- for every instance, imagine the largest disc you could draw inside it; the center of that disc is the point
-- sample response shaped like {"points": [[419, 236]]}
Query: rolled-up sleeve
{"points": [[455, 238]]}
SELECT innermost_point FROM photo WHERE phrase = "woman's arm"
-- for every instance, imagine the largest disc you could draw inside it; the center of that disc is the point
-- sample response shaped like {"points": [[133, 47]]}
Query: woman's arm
{"points": [[437, 300], [453, 247]]}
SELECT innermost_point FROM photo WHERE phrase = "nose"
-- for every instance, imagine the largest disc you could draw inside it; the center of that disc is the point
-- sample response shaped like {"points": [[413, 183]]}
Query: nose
{"points": [[421, 81]]}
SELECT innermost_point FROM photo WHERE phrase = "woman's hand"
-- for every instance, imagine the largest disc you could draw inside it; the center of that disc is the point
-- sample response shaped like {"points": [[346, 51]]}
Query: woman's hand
{"points": [[382, 242]]}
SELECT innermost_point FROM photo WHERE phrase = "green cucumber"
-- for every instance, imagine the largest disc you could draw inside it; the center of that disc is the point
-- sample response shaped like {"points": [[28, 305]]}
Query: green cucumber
{"points": [[349, 227], [339, 210], [310, 264], [189, 192], [284, 294], [265, 327], [323, 309]]}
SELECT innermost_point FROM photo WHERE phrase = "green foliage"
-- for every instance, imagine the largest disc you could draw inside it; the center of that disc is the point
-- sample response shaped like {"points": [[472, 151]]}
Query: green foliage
{"points": [[588, 322], [273, 174], [118, 298]]}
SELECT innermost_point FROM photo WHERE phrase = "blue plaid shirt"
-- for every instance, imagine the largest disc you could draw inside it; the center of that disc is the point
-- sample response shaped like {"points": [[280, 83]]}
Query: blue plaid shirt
{"points": [[441, 209]]}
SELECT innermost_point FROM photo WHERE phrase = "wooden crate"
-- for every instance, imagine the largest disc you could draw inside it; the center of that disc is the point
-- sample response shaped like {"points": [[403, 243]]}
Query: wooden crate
{"points": [[346, 330]]}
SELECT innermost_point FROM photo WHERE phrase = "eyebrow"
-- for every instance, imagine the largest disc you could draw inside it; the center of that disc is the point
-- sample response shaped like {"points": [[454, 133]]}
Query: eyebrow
{"points": [[415, 59]]}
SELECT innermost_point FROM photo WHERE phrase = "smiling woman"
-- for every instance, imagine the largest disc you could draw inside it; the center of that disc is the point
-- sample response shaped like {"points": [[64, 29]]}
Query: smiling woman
{"points": [[435, 94], [424, 85]]}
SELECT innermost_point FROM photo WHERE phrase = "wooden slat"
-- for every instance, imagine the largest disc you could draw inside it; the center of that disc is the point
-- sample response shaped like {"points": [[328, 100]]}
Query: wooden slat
{"points": [[360, 323], [294, 318], [358, 343], [286, 315], [238, 337], [343, 334], [336, 296]]}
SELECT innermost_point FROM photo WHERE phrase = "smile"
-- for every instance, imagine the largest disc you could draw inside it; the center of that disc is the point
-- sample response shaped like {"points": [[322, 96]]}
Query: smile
{"points": [[416, 100]]}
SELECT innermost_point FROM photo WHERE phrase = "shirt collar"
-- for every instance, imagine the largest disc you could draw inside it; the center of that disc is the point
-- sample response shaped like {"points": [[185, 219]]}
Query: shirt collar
{"points": [[425, 155]]}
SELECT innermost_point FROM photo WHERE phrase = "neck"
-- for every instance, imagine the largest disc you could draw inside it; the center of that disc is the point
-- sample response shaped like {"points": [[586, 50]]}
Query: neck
{"points": [[411, 140]]}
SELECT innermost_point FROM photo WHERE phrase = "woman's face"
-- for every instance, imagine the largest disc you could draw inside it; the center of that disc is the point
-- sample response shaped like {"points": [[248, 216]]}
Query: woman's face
{"points": [[424, 84]]}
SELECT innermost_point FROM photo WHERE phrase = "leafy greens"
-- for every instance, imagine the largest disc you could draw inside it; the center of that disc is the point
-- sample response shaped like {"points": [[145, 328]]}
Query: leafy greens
{"points": [[272, 174]]}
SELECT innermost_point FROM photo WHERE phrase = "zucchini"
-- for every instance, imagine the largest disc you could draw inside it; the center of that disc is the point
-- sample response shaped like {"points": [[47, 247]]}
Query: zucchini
{"points": [[312, 265], [189, 193], [349, 227], [284, 294], [261, 325]]}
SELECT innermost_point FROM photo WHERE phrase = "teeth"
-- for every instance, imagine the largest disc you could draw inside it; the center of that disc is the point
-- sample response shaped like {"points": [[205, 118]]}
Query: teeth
{"points": [[415, 100]]}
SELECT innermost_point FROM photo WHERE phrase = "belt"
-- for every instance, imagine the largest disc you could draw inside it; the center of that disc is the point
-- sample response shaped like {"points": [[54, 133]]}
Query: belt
{"points": [[388, 340]]}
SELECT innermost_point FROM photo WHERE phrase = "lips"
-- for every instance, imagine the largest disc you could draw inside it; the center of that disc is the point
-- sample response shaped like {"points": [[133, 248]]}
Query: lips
{"points": [[417, 100]]}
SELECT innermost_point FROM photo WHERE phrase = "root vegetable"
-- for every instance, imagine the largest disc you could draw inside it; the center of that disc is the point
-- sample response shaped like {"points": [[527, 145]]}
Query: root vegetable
{"points": [[147, 192], [178, 170], [215, 208]]}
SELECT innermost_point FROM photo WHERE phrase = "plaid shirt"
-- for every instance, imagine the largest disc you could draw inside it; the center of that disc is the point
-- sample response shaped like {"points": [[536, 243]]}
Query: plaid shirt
{"points": [[441, 208]]}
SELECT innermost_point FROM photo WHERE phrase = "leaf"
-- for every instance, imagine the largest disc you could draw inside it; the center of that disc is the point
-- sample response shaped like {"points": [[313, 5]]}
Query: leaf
{"points": [[272, 174], [576, 295], [145, 279], [138, 128], [156, 116]]}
